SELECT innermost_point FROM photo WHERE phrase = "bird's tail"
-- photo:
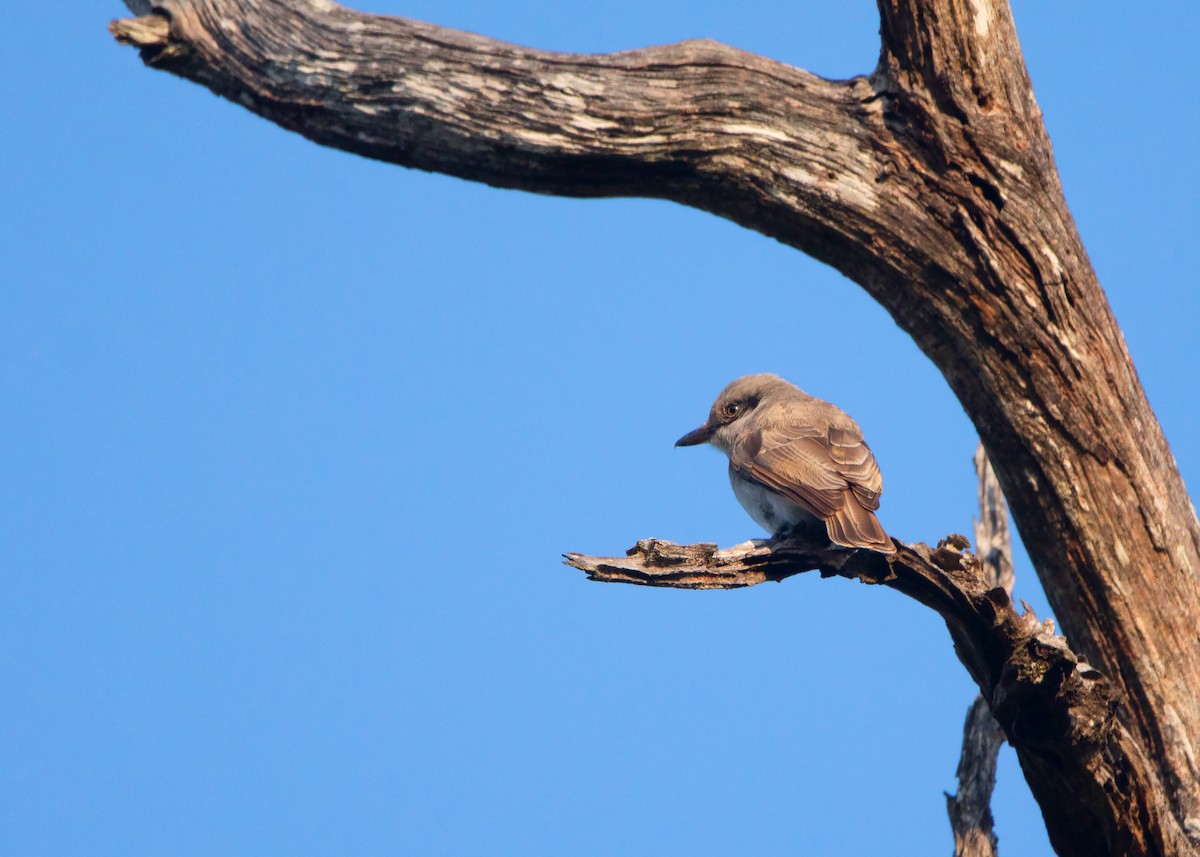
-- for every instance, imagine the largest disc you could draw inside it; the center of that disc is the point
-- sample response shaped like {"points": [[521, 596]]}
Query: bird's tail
{"points": [[852, 526]]}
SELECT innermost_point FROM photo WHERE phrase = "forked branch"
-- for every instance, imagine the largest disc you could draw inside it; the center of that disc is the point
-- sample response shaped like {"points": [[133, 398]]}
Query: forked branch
{"points": [[932, 184]]}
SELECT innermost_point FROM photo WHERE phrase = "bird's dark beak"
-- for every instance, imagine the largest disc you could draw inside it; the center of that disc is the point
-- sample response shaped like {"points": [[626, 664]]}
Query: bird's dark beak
{"points": [[698, 436]]}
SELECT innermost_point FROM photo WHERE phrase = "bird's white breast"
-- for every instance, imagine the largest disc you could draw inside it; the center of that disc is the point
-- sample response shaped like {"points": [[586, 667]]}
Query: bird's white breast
{"points": [[769, 509]]}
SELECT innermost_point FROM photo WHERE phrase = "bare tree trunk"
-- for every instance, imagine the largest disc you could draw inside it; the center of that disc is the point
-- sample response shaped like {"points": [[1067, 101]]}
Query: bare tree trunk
{"points": [[930, 182]]}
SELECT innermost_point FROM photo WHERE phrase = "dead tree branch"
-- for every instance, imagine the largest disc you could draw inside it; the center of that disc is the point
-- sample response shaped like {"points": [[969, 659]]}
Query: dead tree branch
{"points": [[1056, 710], [930, 182], [970, 808]]}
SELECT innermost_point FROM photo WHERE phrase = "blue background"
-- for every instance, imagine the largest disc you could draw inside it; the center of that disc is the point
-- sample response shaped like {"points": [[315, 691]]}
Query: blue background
{"points": [[293, 442]]}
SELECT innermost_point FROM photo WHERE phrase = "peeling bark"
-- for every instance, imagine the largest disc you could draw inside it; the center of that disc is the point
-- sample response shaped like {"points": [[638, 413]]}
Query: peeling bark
{"points": [[1085, 769], [930, 182]]}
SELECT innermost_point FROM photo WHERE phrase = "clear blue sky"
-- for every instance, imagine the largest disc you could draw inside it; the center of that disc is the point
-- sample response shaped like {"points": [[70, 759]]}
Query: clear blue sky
{"points": [[293, 441]]}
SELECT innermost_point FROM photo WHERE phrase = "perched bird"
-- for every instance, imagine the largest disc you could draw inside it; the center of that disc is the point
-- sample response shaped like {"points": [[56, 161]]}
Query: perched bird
{"points": [[796, 461]]}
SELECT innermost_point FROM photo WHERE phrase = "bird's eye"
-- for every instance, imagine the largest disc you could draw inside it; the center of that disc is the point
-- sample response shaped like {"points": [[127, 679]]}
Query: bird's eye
{"points": [[733, 409]]}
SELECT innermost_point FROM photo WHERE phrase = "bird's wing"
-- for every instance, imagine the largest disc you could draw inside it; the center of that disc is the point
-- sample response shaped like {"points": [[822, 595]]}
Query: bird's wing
{"points": [[812, 467], [796, 462], [856, 463]]}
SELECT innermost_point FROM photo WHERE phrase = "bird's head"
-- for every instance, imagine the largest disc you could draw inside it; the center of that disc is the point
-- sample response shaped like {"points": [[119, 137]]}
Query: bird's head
{"points": [[741, 398]]}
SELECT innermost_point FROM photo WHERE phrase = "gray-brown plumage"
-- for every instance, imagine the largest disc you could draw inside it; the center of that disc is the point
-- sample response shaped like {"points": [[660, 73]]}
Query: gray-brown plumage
{"points": [[796, 460]]}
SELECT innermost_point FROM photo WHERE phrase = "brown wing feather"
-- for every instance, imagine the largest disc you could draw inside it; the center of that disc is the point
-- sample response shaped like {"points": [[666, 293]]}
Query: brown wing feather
{"points": [[794, 462], [831, 472], [856, 464]]}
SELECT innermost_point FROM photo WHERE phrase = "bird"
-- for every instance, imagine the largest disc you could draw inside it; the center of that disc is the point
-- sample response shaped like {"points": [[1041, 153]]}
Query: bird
{"points": [[796, 462]]}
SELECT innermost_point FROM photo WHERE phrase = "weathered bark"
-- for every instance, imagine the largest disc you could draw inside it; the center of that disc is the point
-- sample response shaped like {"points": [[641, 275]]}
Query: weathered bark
{"points": [[1086, 770], [993, 542], [970, 808], [930, 182]]}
